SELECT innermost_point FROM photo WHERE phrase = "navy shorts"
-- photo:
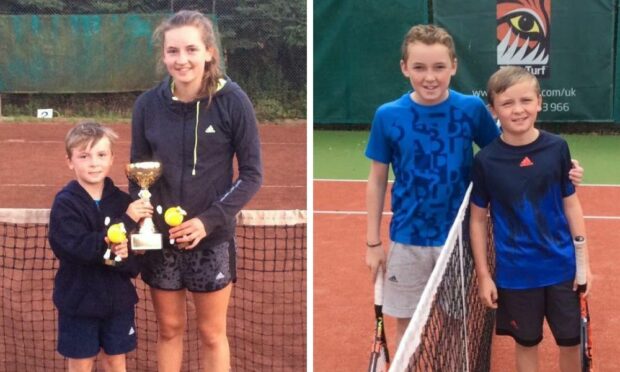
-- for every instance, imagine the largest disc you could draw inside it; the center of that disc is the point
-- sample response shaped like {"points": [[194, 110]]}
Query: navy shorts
{"points": [[520, 314], [83, 337], [199, 270]]}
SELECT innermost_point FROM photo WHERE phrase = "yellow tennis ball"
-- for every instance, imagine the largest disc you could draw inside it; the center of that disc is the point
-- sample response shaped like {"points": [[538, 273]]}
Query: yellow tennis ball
{"points": [[117, 233], [174, 216]]}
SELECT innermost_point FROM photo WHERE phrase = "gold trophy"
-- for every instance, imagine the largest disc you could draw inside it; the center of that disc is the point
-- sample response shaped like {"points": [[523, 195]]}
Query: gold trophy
{"points": [[145, 174]]}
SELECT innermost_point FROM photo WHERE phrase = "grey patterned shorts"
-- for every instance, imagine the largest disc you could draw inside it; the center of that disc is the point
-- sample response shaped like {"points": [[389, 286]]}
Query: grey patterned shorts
{"points": [[408, 269], [205, 270]]}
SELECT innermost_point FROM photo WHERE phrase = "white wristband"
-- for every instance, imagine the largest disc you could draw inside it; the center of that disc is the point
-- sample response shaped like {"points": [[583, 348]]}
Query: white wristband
{"points": [[579, 241]]}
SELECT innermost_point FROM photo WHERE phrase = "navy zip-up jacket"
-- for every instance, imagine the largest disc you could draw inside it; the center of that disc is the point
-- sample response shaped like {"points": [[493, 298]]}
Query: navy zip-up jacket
{"points": [[195, 145], [84, 285]]}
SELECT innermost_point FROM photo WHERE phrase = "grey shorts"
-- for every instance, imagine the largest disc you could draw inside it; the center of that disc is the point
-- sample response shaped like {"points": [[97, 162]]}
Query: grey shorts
{"points": [[205, 270], [408, 269]]}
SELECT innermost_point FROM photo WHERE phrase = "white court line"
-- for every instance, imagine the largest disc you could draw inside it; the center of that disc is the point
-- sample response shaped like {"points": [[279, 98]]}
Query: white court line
{"points": [[337, 180], [320, 212], [363, 213], [328, 180]]}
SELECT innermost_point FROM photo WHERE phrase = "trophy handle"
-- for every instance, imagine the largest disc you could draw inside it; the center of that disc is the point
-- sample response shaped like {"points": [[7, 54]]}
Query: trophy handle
{"points": [[145, 194], [147, 237], [147, 225]]}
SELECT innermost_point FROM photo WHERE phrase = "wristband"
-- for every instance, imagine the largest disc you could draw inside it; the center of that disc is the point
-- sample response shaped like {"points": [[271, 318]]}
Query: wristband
{"points": [[579, 240], [373, 245]]}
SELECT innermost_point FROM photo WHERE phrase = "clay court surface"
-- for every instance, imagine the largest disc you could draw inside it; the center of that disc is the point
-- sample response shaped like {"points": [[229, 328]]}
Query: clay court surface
{"points": [[33, 165], [343, 305], [34, 169]]}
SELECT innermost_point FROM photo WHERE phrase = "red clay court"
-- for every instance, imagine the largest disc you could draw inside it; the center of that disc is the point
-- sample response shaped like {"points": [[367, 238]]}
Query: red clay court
{"points": [[34, 169], [343, 305], [34, 166]]}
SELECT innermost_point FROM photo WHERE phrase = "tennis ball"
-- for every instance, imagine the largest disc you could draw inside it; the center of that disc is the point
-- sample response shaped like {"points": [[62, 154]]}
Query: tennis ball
{"points": [[117, 233], [174, 216]]}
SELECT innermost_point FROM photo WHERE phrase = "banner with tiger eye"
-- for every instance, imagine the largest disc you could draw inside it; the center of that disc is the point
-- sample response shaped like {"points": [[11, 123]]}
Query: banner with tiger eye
{"points": [[567, 44]]}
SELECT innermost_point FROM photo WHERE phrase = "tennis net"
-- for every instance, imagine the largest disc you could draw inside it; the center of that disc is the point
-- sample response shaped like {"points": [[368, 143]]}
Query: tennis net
{"points": [[266, 316], [451, 329]]}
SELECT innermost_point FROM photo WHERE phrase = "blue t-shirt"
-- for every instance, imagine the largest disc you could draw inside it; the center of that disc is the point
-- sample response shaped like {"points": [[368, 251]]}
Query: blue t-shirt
{"points": [[525, 187], [431, 153]]}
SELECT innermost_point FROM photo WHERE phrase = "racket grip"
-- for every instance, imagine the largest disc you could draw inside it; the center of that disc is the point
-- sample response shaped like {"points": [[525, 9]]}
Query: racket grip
{"points": [[379, 287], [580, 255]]}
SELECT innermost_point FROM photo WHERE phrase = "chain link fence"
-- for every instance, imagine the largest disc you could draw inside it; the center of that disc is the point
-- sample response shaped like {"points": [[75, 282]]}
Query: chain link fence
{"points": [[263, 44]]}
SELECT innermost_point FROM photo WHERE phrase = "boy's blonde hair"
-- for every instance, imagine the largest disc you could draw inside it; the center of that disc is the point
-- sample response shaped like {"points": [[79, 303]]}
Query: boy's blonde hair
{"points": [[87, 133], [429, 35], [506, 77]]}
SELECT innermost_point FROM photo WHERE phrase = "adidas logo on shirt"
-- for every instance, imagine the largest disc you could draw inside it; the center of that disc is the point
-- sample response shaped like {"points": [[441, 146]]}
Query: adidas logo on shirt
{"points": [[210, 129], [526, 162], [131, 331]]}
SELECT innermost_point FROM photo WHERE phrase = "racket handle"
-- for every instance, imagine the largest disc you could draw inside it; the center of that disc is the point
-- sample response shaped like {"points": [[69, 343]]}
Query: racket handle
{"points": [[379, 287], [580, 255]]}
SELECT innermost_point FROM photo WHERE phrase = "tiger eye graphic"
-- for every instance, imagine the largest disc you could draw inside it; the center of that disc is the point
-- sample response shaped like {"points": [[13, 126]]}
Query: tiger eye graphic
{"points": [[523, 34]]}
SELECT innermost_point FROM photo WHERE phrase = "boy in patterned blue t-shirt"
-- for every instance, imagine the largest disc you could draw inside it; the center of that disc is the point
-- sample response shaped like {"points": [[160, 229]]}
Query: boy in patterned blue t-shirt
{"points": [[522, 178], [426, 135]]}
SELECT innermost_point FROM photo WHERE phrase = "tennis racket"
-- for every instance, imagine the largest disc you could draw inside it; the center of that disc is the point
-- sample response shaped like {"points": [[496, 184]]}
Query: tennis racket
{"points": [[379, 354], [585, 330]]}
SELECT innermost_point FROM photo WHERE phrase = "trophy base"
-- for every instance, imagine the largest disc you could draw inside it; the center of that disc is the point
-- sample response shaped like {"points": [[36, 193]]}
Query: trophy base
{"points": [[145, 242]]}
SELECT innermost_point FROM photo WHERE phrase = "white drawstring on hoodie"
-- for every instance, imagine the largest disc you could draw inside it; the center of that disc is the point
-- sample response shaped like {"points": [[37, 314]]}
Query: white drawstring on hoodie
{"points": [[220, 85]]}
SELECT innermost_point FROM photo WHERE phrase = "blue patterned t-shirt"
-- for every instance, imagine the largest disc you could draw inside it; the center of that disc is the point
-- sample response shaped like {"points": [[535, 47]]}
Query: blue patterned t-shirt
{"points": [[431, 153]]}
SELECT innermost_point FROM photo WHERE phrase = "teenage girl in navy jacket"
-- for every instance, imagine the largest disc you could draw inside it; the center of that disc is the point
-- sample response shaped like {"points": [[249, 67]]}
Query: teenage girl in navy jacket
{"points": [[194, 123]]}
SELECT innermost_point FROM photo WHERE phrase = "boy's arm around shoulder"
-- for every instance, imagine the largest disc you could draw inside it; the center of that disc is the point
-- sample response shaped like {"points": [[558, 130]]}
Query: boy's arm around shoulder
{"points": [[70, 236]]}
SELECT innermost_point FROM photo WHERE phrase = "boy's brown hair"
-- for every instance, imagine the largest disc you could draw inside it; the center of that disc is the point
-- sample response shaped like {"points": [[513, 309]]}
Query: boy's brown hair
{"points": [[429, 35], [506, 77], [87, 133]]}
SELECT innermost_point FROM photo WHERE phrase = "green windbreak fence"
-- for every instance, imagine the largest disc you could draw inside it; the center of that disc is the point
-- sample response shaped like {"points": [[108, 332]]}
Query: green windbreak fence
{"points": [[617, 74], [571, 45], [567, 44], [356, 56], [77, 53]]}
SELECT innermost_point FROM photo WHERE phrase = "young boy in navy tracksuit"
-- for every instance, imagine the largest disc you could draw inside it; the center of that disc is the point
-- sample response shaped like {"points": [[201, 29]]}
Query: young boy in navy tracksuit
{"points": [[95, 301]]}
